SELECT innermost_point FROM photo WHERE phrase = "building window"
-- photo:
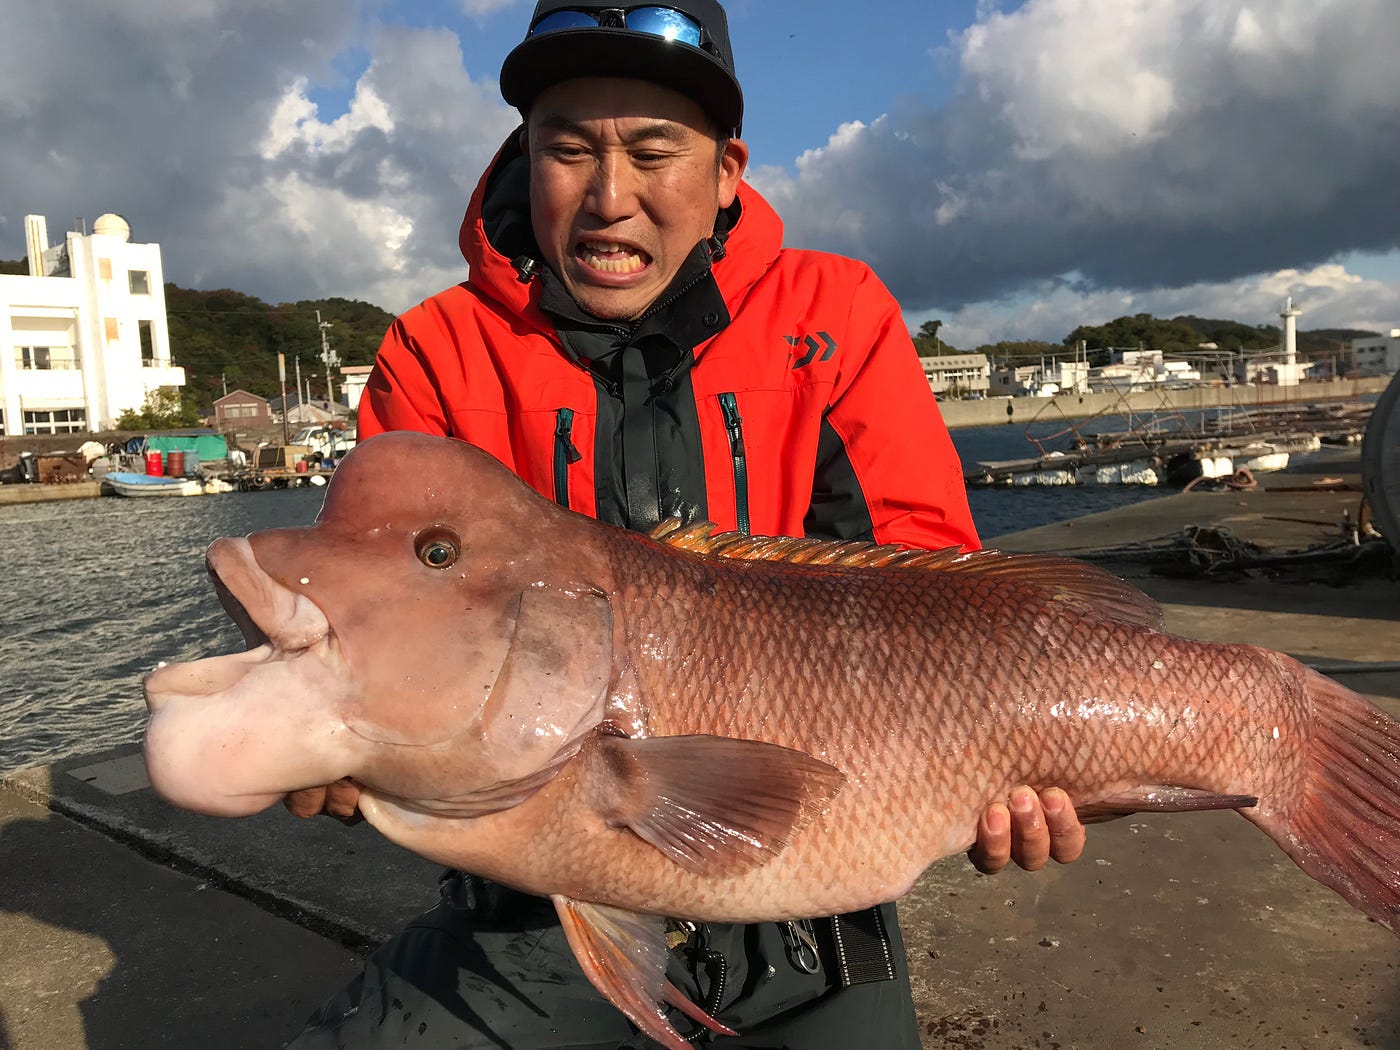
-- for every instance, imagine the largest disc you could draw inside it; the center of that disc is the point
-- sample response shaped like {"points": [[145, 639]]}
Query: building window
{"points": [[45, 358], [148, 345], [238, 411], [55, 421], [140, 281]]}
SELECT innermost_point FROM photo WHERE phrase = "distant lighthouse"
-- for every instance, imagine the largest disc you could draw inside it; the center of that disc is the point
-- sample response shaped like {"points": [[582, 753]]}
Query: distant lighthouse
{"points": [[1290, 332]]}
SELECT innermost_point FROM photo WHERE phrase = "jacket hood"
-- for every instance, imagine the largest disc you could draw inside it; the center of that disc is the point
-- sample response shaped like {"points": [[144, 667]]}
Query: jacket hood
{"points": [[498, 245]]}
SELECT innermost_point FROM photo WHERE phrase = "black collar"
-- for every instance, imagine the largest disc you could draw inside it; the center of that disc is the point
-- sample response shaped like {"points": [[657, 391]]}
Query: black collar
{"points": [[688, 312]]}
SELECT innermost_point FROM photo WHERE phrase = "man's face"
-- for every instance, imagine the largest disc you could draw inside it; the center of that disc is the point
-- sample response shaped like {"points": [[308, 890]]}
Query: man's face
{"points": [[625, 180]]}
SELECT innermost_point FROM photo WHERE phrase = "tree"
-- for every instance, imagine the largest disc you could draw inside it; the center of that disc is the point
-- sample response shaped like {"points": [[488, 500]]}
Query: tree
{"points": [[1137, 330], [928, 344], [1020, 351], [163, 409]]}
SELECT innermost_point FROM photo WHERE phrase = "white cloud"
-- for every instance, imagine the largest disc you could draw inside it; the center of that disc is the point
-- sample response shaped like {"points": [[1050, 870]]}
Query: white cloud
{"points": [[295, 122], [482, 8], [197, 123], [367, 205], [1329, 295], [1139, 143]]}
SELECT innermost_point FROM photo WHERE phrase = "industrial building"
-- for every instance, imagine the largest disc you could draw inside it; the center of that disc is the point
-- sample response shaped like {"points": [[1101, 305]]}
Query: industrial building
{"points": [[1378, 355], [957, 375]]}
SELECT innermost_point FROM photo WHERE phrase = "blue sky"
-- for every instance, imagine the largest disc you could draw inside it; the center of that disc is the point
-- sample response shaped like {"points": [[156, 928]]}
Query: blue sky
{"points": [[805, 67], [1014, 169]]}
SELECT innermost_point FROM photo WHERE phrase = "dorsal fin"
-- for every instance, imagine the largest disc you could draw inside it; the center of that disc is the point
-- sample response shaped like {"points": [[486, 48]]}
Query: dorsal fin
{"points": [[1076, 583]]}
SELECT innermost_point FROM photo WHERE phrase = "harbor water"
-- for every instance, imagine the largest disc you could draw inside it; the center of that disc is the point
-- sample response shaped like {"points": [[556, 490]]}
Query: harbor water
{"points": [[101, 590]]}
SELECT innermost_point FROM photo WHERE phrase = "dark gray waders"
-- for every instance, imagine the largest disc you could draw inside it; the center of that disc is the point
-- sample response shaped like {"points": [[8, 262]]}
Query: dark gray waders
{"points": [[489, 968]]}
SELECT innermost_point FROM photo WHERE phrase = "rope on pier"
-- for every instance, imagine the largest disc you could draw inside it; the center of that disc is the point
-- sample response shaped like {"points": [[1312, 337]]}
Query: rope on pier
{"points": [[1204, 550], [1241, 480]]}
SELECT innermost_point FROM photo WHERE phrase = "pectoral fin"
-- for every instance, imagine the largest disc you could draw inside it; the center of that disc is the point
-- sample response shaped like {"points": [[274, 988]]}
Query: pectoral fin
{"points": [[1158, 798], [624, 955], [714, 805]]}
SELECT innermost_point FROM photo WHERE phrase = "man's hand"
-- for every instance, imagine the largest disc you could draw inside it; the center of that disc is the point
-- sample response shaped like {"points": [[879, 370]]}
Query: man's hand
{"points": [[1031, 831], [340, 800]]}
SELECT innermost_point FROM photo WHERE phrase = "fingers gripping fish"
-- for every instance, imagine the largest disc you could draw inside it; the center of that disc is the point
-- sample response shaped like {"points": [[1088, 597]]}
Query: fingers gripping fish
{"points": [[720, 728]]}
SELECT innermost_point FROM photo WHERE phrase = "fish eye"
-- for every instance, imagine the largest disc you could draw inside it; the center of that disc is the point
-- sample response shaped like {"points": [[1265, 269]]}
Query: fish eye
{"points": [[437, 548]]}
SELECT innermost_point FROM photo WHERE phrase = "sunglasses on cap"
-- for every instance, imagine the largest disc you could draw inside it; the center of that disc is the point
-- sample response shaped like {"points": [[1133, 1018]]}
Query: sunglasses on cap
{"points": [[664, 22]]}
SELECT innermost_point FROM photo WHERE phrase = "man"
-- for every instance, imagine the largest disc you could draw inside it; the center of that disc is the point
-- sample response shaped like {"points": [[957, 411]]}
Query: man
{"points": [[634, 343]]}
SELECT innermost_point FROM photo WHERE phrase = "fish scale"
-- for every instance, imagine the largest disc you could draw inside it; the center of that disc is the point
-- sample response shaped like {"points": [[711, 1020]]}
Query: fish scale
{"points": [[748, 638], [725, 728]]}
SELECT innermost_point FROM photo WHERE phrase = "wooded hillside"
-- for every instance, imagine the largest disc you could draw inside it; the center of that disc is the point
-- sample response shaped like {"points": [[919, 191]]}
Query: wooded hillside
{"points": [[225, 336]]}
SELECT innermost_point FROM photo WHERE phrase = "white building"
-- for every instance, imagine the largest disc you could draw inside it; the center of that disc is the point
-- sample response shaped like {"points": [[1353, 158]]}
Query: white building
{"points": [[954, 374], [1046, 379], [1378, 355], [354, 379], [1017, 381], [83, 337], [1131, 370]]}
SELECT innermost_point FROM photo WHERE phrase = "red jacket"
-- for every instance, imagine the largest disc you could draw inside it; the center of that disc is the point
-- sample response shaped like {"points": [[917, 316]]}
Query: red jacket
{"points": [[813, 414]]}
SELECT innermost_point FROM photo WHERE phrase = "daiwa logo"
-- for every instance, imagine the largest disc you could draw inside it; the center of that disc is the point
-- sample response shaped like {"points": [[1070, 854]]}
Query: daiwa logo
{"points": [[827, 347]]}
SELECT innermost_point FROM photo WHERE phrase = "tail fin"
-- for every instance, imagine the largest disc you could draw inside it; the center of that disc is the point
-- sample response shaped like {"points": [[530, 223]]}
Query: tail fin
{"points": [[1345, 830]]}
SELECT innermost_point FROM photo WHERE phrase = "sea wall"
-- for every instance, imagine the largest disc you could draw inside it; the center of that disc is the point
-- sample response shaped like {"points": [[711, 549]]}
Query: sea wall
{"points": [[1047, 410]]}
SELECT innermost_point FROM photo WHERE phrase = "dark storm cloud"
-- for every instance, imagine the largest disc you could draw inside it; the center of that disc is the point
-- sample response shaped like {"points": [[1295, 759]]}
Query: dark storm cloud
{"points": [[145, 108]]}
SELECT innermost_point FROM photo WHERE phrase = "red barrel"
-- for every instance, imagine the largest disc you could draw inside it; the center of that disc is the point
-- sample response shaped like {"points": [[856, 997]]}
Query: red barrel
{"points": [[175, 463], [153, 464], [301, 466]]}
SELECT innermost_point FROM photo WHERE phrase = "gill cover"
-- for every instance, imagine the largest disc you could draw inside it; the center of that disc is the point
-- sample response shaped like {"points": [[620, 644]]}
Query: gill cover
{"points": [[548, 680]]}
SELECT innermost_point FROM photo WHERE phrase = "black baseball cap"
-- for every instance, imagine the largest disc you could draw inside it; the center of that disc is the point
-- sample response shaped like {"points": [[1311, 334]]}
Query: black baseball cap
{"points": [[681, 44]]}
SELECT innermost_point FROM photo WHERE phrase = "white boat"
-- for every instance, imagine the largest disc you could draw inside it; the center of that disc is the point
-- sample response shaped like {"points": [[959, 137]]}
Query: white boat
{"points": [[140, 485], [1261, 458]]}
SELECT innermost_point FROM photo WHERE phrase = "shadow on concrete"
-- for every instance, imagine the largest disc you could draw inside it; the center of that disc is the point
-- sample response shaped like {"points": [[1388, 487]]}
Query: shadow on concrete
{"points": [[106, 950], [1371, 598]]}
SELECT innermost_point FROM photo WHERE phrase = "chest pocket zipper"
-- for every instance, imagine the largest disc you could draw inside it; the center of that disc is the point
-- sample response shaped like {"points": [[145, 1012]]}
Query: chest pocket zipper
{"points": [[564, 454], [734, 424]]}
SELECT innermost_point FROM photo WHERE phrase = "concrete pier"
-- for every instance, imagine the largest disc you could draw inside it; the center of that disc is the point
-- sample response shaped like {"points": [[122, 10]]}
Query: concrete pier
{"points": [[127, 924], [1045, 412]]}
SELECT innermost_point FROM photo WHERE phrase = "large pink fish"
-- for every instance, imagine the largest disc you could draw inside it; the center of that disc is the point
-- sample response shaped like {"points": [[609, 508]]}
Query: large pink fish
{"points": [[723, 729]]}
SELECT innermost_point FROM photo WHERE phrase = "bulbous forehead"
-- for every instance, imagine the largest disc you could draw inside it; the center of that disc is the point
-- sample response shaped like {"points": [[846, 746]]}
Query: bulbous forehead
{"points": [[407, 475]]}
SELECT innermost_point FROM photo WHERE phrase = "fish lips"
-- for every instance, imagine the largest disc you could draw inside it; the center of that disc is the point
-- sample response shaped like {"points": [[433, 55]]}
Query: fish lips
{"points": [[276, 623], [230, 735]]}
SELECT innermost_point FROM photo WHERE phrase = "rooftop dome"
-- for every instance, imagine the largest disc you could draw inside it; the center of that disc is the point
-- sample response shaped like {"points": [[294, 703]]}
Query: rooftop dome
{"points": [[112, 225]]}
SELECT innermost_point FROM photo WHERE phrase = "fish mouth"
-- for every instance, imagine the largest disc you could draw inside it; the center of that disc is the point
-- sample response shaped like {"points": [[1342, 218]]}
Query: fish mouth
{"points": [[254, 637], [277, 623]]}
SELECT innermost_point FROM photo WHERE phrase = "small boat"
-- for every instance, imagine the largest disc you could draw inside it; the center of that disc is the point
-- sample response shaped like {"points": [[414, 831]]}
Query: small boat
{"points": [[138, 485]]}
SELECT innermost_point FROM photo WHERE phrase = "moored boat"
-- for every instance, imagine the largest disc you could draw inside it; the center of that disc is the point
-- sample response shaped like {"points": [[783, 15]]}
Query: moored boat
{"points": [[142, 485]]}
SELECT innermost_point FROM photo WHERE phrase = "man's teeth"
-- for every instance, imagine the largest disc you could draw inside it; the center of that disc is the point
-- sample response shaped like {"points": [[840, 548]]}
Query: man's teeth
{"points": [[612, 258]]}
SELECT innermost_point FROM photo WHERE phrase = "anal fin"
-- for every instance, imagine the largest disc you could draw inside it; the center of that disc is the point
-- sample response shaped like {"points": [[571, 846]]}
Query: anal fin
{"points": [[1158, 798], [623, 953]]}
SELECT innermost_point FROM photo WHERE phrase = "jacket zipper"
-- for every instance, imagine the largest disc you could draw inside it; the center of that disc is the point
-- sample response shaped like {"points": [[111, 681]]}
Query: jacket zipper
{"points": [[564, 454], [735, 425]]}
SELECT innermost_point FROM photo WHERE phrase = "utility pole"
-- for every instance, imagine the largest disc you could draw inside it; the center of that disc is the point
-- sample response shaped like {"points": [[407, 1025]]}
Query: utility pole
{"points": [[282, 377], [330, 359], [300, 402]]}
